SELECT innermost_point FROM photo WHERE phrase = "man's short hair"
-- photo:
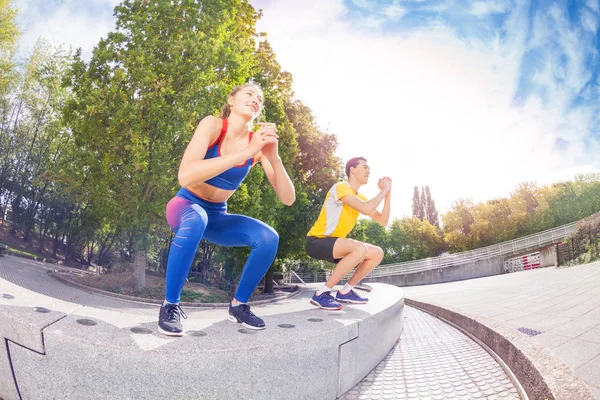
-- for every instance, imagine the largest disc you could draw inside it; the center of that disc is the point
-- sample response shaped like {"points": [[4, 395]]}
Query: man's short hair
{"points": [[353, 162]]}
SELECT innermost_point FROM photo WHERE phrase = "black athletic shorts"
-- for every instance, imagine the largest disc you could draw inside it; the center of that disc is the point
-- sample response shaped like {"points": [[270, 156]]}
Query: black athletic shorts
{"points": [[321, 248]]}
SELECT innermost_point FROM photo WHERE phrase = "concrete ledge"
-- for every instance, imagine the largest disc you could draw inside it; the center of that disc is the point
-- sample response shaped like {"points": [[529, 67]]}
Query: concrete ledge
{"points": [[377, 334], [476, 269], [95, 353], [25, 327], [542, 374]]}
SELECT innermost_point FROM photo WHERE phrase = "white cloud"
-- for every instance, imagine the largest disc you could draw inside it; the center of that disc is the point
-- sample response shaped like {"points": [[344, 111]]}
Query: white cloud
{"points": [[372, 21], [66, 24], [364, 4], [298, 17], [590, 21], [484, 8], [394, 12], [432, 110]]}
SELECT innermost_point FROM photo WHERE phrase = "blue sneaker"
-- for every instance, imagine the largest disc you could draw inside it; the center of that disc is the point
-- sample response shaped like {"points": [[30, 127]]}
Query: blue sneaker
{"points": [[325, 301], [350, 297]]}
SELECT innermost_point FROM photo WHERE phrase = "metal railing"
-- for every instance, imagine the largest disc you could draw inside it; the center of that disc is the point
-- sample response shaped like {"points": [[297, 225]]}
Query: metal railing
{"points": [[513, 247], [510, 248]]}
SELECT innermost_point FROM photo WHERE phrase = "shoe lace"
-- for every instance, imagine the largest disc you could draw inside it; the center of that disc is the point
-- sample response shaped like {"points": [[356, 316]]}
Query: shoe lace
{"points": [[327, 296], [246, 309], [174, 311]]}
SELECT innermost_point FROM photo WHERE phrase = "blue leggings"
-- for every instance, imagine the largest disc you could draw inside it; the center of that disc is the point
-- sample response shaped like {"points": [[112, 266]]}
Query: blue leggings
{"points": [[192, 218]]}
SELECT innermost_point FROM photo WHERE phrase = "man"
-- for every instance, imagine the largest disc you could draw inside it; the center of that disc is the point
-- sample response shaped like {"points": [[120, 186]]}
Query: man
{"points": [[327, 238]]}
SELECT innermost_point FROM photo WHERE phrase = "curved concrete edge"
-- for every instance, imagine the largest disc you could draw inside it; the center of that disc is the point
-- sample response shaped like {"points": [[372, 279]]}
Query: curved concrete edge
{"points": [[475, 269], [377, 335], [151, 301], [54, 354], [541, 373]]}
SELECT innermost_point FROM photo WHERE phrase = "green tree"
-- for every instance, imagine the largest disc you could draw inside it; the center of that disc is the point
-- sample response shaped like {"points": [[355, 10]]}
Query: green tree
{"points": [[457, 226], [9, 35], [417, 205], [428, 205], [412, 239], [9, 78], [492, 223], [166, 65]]}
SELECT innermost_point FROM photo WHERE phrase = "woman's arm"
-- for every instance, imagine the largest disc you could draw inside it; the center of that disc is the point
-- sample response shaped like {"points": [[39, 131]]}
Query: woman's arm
{"points": [[273, 167], [279, 178], [194, 168]]}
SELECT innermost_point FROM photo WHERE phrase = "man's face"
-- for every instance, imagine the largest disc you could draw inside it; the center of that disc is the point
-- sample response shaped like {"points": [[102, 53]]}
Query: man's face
{"points": [[362, 172]]}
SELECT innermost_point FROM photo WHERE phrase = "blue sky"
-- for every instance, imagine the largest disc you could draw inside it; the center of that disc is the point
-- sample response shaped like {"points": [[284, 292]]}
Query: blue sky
{"points": [[468, 97], [558, 41]]}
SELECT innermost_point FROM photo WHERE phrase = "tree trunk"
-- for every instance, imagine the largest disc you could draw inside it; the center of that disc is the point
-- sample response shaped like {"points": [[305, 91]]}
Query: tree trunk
{"points": [[269, 280], [55, 247], [16, 217], [140, 261], [140, 256], [90, 251], [43, 231]]}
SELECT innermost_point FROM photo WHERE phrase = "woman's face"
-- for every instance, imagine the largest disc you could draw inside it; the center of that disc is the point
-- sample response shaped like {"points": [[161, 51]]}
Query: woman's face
{"points": [[247, 102]]}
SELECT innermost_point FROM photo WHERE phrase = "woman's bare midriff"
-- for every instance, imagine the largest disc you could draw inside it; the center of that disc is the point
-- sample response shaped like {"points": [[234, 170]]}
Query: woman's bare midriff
{"points": [[210, 193]]}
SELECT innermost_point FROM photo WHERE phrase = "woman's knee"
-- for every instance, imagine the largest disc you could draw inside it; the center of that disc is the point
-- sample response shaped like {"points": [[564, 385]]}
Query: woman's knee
{"points": [[266, 237]]}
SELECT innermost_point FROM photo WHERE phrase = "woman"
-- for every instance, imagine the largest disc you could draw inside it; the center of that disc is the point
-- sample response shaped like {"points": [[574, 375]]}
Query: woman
{"points": [[217, 159]]}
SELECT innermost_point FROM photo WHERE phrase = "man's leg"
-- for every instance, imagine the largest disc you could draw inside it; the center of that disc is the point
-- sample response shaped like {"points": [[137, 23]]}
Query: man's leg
{"points": [[372, 259], [351, 252], [355, 252]]}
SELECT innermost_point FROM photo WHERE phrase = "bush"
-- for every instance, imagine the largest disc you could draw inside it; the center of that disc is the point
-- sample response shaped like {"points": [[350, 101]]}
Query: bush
{"points": [[585, 239]]}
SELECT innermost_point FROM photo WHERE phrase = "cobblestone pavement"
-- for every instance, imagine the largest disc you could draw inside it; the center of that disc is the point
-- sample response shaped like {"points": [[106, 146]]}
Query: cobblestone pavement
{"points": [[559, 308], [435, 361]]}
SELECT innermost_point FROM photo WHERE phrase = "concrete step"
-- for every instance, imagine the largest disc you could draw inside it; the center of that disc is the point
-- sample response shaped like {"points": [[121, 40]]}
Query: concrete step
{"points": [[78, 351]]}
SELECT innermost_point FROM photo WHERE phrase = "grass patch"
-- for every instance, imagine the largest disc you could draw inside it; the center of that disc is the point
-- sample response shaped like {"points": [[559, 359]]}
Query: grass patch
{"points": [[25, 253], [123, 283]]}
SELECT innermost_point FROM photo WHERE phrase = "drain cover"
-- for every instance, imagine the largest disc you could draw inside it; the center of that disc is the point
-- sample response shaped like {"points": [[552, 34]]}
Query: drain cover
{"points": [[41, 310], [529, 331], [286, 326], [137, 329], [86, 322], [196, 333]]}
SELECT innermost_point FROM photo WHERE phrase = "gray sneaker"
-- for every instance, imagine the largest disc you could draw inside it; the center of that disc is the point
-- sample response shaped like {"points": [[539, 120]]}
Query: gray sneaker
{"points": [[169, 320], [242, 314]]}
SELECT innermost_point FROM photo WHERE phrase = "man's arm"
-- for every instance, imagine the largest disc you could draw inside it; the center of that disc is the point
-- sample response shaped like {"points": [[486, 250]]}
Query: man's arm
{"points": [[367, 207], [383, 217]]}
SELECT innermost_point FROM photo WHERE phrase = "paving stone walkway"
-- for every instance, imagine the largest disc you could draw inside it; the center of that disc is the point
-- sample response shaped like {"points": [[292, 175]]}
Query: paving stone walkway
{"points": [[435, 361]]}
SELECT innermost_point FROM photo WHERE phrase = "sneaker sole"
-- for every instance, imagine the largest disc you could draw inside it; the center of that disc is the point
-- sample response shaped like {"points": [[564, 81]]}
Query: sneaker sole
{"points": [[167, 333], [245, 325], [314, 303], [352, 301]]}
